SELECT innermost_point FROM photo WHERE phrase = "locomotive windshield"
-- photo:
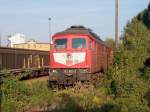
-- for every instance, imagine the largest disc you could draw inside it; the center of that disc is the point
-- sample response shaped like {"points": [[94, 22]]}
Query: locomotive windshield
{"points": [[60, 43], [78, 43]]}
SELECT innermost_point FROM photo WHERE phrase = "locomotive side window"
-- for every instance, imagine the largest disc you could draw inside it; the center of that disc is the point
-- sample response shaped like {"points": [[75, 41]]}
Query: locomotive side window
{"points": [[90, 45], [60, 43], [78, 43]]}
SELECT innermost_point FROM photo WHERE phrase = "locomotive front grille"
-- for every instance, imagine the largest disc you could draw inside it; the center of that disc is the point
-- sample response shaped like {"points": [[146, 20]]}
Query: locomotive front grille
{"points": [[70, 71]]}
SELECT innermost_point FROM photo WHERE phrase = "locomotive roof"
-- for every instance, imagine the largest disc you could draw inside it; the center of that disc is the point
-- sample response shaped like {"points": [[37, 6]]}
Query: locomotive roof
{"points": [[80, 30]]}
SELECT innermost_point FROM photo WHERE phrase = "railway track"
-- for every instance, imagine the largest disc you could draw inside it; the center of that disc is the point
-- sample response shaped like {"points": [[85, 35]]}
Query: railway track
{"points": [[25, 74]]}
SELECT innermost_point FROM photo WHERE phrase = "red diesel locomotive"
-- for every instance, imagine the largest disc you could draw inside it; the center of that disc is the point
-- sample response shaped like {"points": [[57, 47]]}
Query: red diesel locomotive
{"points": [[77, 54]]}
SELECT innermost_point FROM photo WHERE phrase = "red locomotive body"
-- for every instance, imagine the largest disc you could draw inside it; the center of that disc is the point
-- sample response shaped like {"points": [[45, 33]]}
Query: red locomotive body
{"points": [[76, 54]]}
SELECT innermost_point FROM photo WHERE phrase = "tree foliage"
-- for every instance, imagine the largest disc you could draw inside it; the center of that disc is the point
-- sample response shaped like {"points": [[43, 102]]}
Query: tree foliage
{"points": [[144, 17], [129, 75], [110, 42]]}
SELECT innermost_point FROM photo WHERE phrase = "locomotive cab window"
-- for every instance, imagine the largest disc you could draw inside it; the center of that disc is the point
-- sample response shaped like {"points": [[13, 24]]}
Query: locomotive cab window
{"points": [[60, 43], [78, 43]]}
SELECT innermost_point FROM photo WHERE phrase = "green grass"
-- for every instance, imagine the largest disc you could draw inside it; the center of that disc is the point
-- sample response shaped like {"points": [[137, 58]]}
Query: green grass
{"points": [[17, 96]]}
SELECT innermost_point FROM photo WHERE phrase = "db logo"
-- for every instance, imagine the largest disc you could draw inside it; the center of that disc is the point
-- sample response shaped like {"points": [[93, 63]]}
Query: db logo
{"points": [[69, 60]]}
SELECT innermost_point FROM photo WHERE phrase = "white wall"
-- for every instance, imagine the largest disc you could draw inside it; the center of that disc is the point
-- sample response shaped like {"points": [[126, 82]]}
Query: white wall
{"points": [[17, 39]]}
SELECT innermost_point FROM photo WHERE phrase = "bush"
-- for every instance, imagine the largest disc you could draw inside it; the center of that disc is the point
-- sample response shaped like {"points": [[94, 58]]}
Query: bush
{"points": [[139, 109], [17, 96], [147, 97], [115, 88]]}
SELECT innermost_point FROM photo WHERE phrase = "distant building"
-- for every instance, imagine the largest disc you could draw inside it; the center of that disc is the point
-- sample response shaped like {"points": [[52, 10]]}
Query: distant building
{"points": [[33, 45], [20, 41], [17, 39]]}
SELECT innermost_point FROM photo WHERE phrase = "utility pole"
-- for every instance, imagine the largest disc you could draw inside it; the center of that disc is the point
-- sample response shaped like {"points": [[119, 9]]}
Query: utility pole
{"points": [[50, 40], [116, 24]]}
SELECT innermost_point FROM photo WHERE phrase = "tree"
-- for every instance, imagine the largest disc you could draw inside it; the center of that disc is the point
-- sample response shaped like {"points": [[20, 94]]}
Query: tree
{"points": [[144, 17], [149, 7], [110, 42], [125, 82], [136, 36]]}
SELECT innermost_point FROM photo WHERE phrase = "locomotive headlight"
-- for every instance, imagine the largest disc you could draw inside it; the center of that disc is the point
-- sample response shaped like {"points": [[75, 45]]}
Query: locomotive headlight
{"points": [[57, 72], [54, 71]]}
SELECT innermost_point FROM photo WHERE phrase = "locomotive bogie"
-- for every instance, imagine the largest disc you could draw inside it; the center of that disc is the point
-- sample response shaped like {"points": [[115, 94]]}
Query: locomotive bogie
{"points": [[69, 76]]}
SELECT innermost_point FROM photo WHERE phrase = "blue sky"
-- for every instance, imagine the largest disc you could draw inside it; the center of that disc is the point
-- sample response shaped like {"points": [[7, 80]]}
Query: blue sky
{"points": [[30, 17]]}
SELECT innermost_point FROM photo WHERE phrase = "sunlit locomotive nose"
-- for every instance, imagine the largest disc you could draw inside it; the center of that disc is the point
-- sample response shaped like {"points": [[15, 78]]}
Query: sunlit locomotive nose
{"points": [[69, 59]]}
